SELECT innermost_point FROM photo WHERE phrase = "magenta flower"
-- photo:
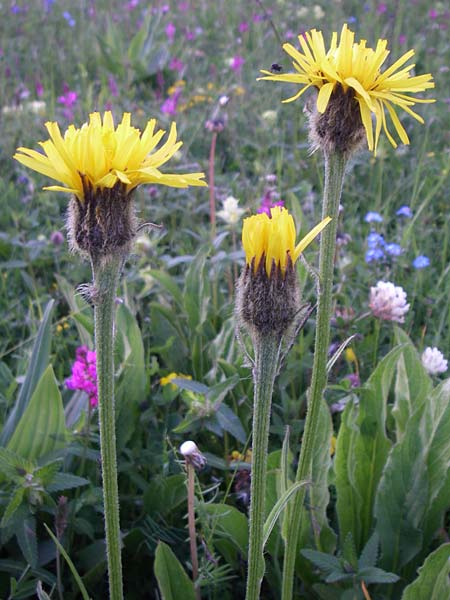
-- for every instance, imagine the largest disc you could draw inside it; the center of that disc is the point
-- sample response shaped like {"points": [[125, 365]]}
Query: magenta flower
{"points": [[39, 89], [243, 27], [269, 200], [237, 62], [84, 374], [113, 87], [176, 64], [170, 104], [381, 8], [170, 31], [433, 14]]}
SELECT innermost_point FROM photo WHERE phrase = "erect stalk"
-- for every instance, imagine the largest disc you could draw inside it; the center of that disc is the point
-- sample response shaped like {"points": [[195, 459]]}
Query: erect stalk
{"points": [[267, 350], [106, 276], [334, 176], [191, 525]]}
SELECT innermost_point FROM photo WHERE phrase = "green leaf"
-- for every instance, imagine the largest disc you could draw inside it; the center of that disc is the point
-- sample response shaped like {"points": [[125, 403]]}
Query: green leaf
{"points": [[228, 522], [13, 505], [433, 580], [278, 509], [361, 452], [165, 494], [196, 297], [412, 385], [132, 379], [65, 481], [327, 563], [170, 285], [231, 423], [414, 491], [38, 363], [41, 428], [369, 555], [374, 575], [68, 560], [173, 581], [25, 532]]}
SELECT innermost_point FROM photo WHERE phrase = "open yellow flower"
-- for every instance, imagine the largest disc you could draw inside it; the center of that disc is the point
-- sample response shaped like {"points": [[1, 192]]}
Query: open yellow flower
{"points": [[356, 68], [273, 238], [99, 156]]}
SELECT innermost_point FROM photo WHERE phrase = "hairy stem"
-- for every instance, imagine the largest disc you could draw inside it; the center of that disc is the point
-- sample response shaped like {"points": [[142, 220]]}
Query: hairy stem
{"points": [[106, 276], [267, 350], [334, 176]]}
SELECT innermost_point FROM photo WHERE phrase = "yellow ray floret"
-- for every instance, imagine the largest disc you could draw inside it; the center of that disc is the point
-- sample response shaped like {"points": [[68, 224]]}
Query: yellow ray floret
{"points": [[355, 66], [274, 238], [103, 155]]}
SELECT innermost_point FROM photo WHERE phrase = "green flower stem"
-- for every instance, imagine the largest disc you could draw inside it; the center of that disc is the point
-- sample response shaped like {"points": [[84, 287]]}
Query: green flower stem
{"points": [[267, 350], [334, 176], [106, 276]]}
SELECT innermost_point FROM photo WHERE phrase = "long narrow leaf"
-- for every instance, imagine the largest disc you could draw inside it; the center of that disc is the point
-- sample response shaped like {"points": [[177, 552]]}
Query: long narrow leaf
{"points": [[278, 508]]}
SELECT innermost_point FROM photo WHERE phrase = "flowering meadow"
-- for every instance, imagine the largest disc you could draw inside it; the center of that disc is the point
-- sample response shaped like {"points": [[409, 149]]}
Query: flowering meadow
{"points": [[225, 317]]}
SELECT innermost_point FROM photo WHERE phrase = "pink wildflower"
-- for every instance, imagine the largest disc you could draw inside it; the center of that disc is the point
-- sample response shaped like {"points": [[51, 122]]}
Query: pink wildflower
{"points": [[170, 104], [170, 31], [381, 8], [432, 13], [84, 374], [243, 27], [237, 62], [176, 64]]}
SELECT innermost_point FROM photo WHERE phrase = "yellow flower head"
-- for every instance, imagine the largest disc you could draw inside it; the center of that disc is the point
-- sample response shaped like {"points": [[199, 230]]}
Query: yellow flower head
{"points": [[98, 156], [273, 238], [353, 67]]}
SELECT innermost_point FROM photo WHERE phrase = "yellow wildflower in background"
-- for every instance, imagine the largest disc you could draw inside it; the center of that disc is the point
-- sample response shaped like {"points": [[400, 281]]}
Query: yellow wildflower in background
{"points": [[168, 379], [274, 238], [353, 67], [99, 156]]}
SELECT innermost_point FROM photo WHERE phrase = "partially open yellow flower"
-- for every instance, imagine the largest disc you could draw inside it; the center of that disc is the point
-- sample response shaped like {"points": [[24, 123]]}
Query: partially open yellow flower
{"points": [[274, 238], [99, 156], [352, 67]]}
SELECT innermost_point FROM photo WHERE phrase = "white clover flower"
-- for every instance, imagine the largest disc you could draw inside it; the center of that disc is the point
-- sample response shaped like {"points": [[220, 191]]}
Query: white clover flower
{"points": [[231, 213], [434, 362], [388, 302], [318, 12]]}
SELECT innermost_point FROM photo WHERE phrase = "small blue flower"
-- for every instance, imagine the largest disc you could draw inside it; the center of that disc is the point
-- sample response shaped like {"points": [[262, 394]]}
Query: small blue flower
{"points": [[351, 19], [404, 211], [68, 17], [375, 239], [373, 217], [393, 249], [374, 254], [420, 262]]}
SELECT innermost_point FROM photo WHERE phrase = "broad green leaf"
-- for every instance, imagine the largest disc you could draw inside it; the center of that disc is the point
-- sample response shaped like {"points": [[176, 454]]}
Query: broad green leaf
{"points": [[412, 385], [173, 581], [65, 481], [14, 503], [80, 311], [170, 285], [25, 532], [68, 560], [278, 509], [325, 562], [361, 452], [369, 555], [231, 423], [38, 363], [414, 491], [375, 575], [227, 521], [131, 364], [41, 428], [433, 580]]}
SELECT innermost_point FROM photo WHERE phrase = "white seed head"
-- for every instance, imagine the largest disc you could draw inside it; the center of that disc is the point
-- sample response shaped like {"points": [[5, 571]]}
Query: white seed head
{"points": [[192, 454], [388, 302], [188, 448], [434, 362]]}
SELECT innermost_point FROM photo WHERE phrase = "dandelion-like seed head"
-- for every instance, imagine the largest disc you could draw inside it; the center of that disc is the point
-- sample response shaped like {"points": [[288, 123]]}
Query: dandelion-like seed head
{"points": [[352, 88], [100, 165], [192, 454], [388, 302], [268, 297]]}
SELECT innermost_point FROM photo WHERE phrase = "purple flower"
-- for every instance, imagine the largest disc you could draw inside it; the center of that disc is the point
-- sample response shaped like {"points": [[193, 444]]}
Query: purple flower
{"points": [[401, 39], [69, 98], [84, 374], [393, 249], [421, 262], [176, 64], [170, 104], [374, 254], [404, 211], [243, 27], [183, 6], [170, 31], [354, 379], [113, 87], [373, 217], [132, 4], [39, 89], [381, 8], [432, 13], [57, 238], [375, 239], [68, 17], [237, 62]]}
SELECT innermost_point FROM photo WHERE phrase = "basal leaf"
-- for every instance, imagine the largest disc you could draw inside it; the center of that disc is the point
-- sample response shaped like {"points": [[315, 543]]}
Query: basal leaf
{"points": [[433, 580], [173, 581]]}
